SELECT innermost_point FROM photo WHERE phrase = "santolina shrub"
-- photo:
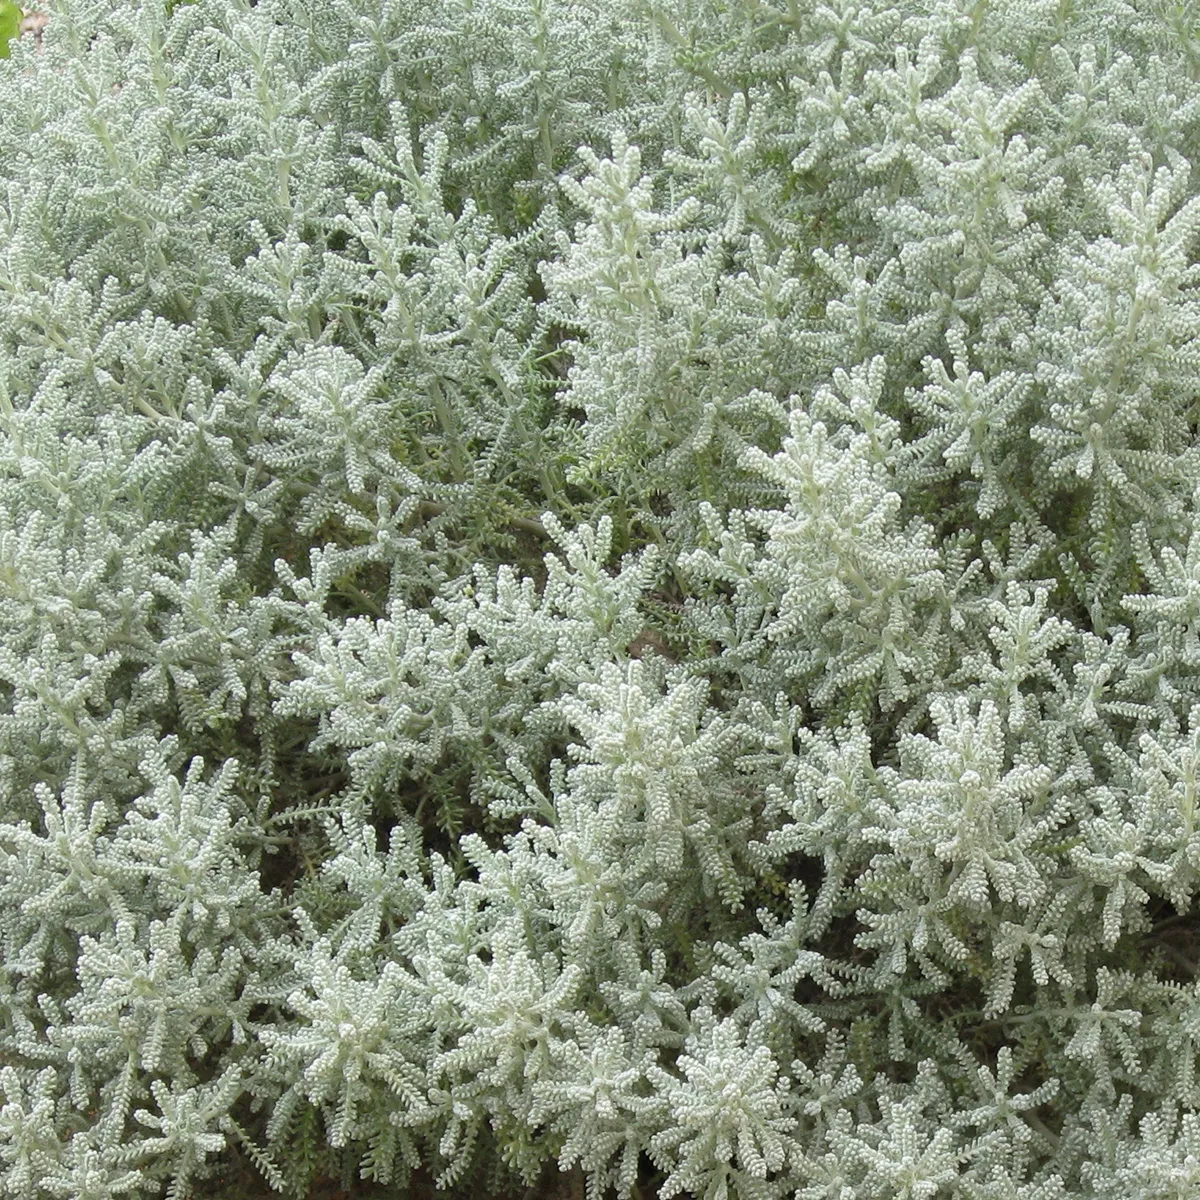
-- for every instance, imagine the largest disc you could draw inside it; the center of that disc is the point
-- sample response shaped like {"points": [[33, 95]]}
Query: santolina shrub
{"points": [[606, 586]]}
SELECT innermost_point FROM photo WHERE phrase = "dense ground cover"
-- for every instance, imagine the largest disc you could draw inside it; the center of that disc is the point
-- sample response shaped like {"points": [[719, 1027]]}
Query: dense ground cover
{"points": [[600, 595]]}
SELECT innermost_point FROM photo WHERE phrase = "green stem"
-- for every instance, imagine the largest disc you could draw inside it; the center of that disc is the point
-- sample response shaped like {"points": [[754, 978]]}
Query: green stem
{"points": [[450, 429]]}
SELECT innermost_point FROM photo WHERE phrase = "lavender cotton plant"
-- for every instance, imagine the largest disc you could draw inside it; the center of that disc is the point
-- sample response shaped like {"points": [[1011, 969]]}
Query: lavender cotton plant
{"points": [[603, 589]]}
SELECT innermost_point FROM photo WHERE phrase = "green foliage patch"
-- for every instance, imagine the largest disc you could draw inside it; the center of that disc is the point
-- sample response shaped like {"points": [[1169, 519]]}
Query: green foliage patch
{"points": [[10, 25]]}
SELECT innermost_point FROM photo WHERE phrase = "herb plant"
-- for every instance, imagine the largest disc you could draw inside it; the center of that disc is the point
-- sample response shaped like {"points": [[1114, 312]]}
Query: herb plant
{"points": [[605, 587]]}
